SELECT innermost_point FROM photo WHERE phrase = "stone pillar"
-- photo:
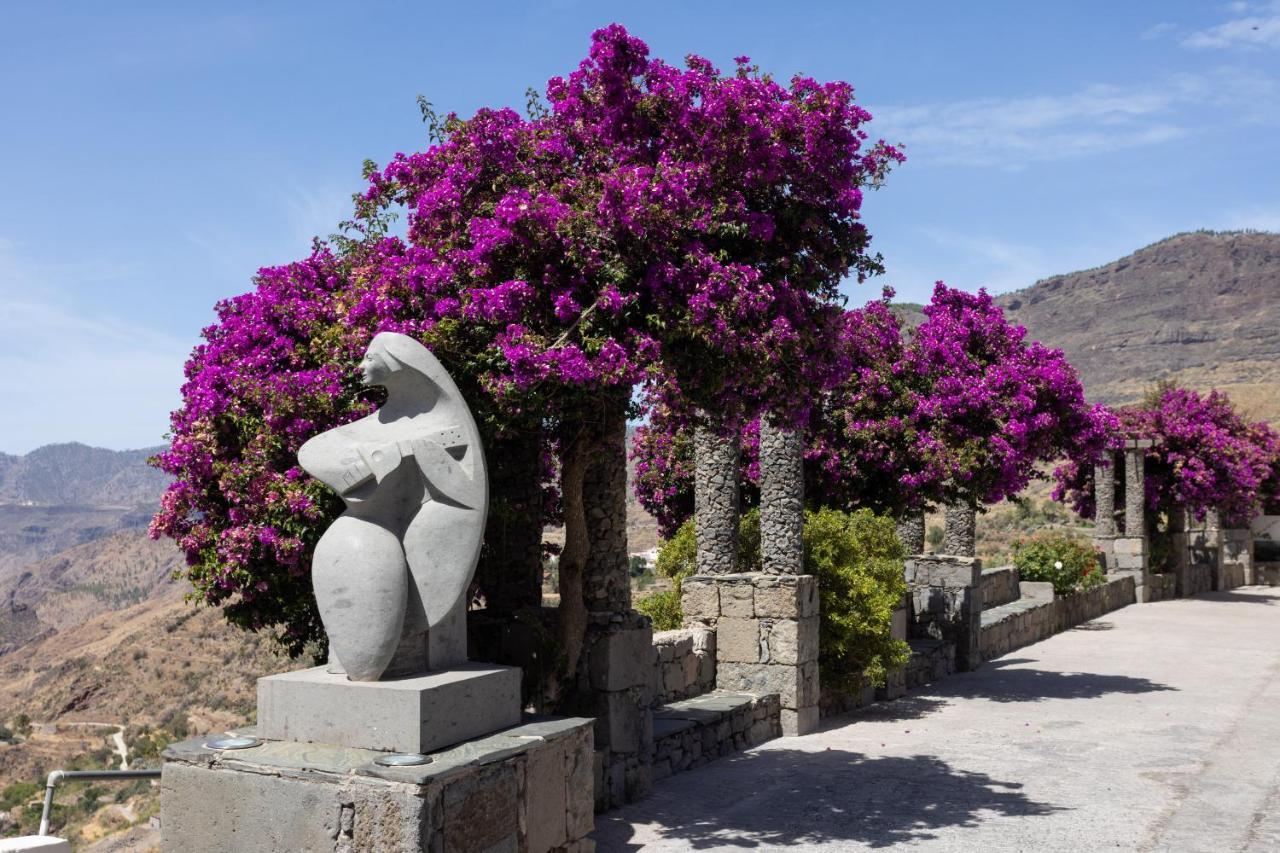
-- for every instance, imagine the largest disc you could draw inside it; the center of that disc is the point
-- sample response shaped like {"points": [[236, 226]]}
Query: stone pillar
{"points": [[1104, 516], [781, 499], [715, 494], [1181, 544], [1131, 549], [946, 603], [617, 652], [1135, 493], [961, 524], [911, 531], [766, 637]]}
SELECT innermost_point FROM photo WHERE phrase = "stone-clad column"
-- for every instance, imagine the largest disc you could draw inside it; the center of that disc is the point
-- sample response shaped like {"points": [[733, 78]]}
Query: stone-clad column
{"points": [[715, 496], [1104, 496], [781, 499], [961, 522], [1130, 552], [911, 531], [1135, 490]]}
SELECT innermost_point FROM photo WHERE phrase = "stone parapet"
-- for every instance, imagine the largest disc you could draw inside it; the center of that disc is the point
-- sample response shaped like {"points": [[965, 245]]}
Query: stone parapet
{"points": [[693, 732], [766, 637], [524, 789], [684, 664], [946, 603], [1236, 567], [999, 586], [618, 658]]}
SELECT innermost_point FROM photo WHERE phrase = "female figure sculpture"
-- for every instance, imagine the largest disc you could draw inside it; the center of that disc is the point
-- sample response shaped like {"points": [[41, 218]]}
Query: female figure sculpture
{"points": [[395, 567]]}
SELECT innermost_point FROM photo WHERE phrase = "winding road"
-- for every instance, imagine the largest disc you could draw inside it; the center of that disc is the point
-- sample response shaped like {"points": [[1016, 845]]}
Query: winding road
{"points": [[1154, 728]]}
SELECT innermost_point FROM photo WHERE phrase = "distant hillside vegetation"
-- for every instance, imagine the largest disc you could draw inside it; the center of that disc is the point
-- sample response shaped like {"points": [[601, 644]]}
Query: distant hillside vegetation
{"points": [[1201, 309]]}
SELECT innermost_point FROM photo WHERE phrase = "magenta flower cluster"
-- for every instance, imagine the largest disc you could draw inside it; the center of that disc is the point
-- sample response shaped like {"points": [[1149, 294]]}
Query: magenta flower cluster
{"points": [[1204, 456], [673, 227], [960, 409]]}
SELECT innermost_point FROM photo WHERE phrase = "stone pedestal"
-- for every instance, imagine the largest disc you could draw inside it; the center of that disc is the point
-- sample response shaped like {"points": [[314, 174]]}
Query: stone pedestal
{"points": [[617, 655], [418, 714], [526, 789], [946, 603], [1130, 558], [766, 637]]}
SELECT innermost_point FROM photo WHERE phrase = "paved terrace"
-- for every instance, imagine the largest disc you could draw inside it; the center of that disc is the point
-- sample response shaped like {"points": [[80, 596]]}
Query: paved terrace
{"points": [[1156, 727]]}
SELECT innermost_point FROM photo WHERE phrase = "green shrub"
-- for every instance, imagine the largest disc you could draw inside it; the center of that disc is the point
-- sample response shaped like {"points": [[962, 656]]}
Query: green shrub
{"points": [[663, 607], [17, 794], [858, 560], [1069, 564]]}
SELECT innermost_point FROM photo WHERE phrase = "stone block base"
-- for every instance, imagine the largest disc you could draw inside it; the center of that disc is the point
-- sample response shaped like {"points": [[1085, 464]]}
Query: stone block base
{"points": [[527, 789], [766, 637], [419, 714]]}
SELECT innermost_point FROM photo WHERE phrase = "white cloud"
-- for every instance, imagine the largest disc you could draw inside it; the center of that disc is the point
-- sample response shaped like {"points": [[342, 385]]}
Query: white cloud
{"points": [[1158, 31], [1013, 133], [1258, 29], [68, 373]]}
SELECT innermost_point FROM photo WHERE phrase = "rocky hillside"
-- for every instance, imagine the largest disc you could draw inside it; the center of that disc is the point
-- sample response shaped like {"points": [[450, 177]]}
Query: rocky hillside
{"points": [[1201, 309], [76, 474]]}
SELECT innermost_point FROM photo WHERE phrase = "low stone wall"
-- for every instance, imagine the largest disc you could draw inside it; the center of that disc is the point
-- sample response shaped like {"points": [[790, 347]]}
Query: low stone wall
{"points": [[930, 661], [1162, 586], [692, 732], [1199, 578], [684, 664], [1030, 620], [1071, 610], [999, 586], [1267, 574], [946, 603], [1237, 559]]}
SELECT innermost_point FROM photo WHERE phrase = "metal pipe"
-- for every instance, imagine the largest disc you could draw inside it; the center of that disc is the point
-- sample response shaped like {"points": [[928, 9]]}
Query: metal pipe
{"points": [[97, 775]]}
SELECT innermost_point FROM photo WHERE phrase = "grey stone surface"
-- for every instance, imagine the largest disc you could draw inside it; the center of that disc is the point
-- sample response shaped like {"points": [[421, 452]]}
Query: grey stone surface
{"points": [[1153, 731], [523, 790], [684, 663], [391, 573], [911, 531], [781, 498], [418, 714], [606, 583], [1135, 492], [960, 529], [999, 586], [1104, 490], [946, 603], [715, 488]]}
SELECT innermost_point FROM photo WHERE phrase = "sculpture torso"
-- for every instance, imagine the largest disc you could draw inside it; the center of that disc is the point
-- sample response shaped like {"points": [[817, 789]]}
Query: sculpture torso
{"points": [[396, 566]]}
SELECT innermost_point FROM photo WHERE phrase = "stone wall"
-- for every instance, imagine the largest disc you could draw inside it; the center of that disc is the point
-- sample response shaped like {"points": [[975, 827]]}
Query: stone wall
{"points": [[1237, 559], [1032, 619], [684, 664], [691, 733], [528, 789], [1162, 586], [930, 661], [999, 586], [946, 603], [766, 637]]}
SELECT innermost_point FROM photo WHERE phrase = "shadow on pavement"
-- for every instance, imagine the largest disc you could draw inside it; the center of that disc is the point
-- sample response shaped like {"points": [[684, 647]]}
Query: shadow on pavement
{"points": [[1005, 680], [780, 797], [1270, 597]]}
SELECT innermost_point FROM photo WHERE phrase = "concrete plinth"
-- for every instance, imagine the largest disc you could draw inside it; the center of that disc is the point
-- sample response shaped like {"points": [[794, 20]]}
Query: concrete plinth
{"points": [[419, 714], [526, 789]]}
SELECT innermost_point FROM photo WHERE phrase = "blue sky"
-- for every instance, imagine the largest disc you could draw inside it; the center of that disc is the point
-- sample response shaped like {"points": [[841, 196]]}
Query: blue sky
{"points": [[153, 156]]}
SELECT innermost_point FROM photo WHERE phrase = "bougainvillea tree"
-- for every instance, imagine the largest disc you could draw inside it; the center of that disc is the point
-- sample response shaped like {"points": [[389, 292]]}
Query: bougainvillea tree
{"points": [[962, 409], [656, 225], [1203, 457]]}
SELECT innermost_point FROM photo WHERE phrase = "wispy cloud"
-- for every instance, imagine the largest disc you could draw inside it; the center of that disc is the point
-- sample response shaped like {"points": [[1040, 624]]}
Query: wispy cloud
{"points": [[71, 374], [1257, 27], [1013, 133]]}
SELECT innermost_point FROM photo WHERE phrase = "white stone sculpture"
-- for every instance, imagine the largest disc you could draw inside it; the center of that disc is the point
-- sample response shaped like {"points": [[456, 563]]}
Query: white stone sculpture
{"points": [[391, 574]]}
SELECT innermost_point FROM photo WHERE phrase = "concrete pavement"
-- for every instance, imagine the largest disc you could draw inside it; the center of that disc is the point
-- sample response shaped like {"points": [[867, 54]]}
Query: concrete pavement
{"points": [[1154, 728]]}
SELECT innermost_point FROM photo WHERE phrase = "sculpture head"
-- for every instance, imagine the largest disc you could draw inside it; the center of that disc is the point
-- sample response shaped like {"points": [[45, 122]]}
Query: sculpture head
{"points": [[400, 363]]}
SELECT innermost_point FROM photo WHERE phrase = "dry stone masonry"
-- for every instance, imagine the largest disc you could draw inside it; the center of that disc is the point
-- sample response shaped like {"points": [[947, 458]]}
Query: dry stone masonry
{"points": [[715, 494], [781, 498], [911, 531], [766, 637], [946, 603], [959, 531], [684, 663]]}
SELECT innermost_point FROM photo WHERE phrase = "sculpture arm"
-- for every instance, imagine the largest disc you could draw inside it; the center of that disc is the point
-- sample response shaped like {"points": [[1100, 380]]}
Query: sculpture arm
{"points": [[446, 479]]}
